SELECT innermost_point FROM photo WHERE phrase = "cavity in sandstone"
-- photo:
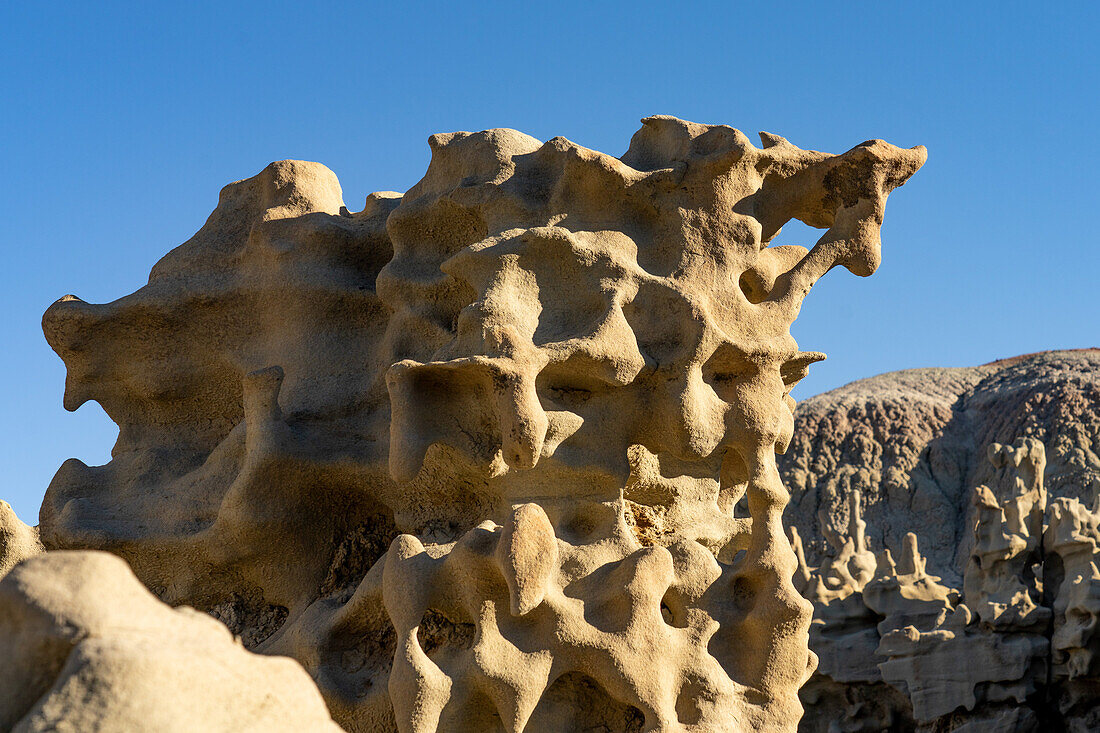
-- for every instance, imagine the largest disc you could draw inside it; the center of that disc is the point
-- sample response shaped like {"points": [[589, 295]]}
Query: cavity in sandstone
{"points": [[473, 454]]}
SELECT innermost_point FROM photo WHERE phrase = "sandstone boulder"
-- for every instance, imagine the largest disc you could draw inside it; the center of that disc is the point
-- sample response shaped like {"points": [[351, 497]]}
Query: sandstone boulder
{"points": [[87, 648]]}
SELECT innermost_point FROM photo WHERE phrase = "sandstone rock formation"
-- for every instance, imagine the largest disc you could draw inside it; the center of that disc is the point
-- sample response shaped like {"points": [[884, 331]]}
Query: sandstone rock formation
{"points": [[987, 480], [87, 648], [472, 455], [17, 540]]}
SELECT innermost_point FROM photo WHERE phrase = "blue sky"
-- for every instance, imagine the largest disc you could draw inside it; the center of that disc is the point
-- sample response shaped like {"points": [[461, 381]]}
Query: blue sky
{"points": [[121, 121]]}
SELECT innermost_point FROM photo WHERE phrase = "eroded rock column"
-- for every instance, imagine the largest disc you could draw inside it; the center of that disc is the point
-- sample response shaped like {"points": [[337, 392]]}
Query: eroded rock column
{"points": [[497, 453]]}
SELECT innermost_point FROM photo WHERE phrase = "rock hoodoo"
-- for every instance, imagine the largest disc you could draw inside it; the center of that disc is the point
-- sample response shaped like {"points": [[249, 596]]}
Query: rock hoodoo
{"points": [[474, 455], [985, 483]]}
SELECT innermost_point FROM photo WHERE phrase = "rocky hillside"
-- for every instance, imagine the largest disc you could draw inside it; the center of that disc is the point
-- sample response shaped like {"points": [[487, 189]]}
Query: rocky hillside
{"points": [[945, 520]]}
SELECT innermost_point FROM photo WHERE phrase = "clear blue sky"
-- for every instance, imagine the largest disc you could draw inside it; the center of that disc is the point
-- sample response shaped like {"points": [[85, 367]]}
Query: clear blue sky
{"points": [[120, 122]]}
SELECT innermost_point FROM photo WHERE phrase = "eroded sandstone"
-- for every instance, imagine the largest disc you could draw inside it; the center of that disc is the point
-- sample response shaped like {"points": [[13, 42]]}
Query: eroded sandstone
{"points": [[87, 648], [986, 481], [473, 454]]}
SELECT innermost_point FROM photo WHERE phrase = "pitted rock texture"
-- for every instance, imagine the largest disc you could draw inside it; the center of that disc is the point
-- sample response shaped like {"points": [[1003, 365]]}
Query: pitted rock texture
{"points": [[247, 380], [985, 482], [87, 648], [472, 455]]}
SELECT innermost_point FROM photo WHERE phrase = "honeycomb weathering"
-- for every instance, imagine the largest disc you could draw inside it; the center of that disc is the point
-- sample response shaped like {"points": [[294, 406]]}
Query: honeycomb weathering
{"points": [[474, 455]]}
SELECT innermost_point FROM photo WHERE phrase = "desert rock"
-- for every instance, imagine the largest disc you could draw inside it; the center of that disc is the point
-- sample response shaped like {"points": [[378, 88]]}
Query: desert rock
{"points": [[17, 540], [984, 482], [473, 455], [87, 648]]}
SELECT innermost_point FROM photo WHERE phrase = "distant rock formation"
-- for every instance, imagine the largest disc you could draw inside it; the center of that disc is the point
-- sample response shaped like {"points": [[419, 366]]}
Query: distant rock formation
{"points": [[988, 477], [472, 455]]}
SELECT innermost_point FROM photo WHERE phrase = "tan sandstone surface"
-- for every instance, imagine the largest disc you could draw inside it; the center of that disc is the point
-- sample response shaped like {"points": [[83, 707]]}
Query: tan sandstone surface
{"points": [[946, 522], [473, 455], [17, 540], [87, 648]]}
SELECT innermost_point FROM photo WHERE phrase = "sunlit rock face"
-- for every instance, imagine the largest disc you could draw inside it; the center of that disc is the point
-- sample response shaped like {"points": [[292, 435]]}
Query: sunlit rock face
{"points": [[17, 541], [473, 454], [946, 526], [87, 648]]}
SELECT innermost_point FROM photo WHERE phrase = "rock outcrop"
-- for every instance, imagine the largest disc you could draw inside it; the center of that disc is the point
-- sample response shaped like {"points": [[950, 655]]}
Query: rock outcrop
{"points": [[87, 648], [17, 540], [473, 454], [987, 477]]}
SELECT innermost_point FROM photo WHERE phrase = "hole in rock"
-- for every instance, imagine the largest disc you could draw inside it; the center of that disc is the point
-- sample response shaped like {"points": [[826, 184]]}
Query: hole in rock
{"points": [[795, 232], [673, 611]]}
